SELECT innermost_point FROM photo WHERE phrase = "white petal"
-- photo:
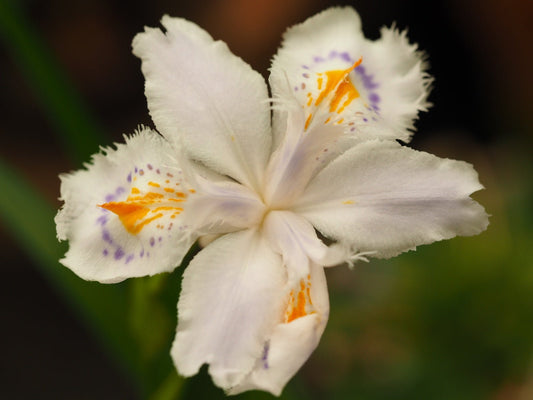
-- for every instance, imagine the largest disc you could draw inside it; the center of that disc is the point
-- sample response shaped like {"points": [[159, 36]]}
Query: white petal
{"points": [[291, 343], [142, 183], [224, 206], [232, 297], [295, 239], [374, 89], [380, 196], [300, 155], [203, 96]]}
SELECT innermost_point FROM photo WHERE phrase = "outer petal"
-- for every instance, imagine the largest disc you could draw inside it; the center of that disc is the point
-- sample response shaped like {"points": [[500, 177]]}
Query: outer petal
{"points": [[123, 214], [232, 297], [202, 95], [380, 196], [374, 89], [291, 343]]}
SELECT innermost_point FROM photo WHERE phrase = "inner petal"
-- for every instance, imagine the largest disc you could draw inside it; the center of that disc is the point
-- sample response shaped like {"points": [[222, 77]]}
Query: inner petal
{"points": [[295, 239]]}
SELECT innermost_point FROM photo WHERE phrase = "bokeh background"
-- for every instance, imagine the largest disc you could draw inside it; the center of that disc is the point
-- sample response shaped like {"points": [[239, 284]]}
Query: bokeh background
{"points": [[453, 320]]}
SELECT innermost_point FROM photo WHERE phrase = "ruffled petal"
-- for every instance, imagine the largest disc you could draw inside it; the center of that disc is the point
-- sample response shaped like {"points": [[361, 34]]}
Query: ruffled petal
{"points": [[382, 197], [294, 339], [202, 96], [123, 215], [374, 89], [232, 297]]}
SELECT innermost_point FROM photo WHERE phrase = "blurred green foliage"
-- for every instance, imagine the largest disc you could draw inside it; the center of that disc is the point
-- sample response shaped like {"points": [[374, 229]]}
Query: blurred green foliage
{"points": [[450, 321]]}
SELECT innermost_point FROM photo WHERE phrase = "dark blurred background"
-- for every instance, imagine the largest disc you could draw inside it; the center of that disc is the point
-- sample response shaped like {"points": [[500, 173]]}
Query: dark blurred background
{"points": [[451, 321]]}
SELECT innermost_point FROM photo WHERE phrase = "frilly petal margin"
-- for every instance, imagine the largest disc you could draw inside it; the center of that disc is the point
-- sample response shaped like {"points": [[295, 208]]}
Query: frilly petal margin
{"points": [[205, 98], [123, 214], [374, 89], [290, 344]]}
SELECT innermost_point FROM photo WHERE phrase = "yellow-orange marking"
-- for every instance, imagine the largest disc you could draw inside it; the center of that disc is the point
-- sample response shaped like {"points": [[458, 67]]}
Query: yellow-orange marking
{"points": [[348, 202], [133, 212], [300, 304], [154, 184]]}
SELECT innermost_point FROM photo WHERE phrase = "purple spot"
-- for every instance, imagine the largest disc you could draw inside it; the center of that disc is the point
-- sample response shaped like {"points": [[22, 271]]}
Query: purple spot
{"points": [[305, 75], [129, 177], [157, 170], [360, 69], [305, 67], [374, 98], [333, 54], [345, 56], [106, 236], [136, 170], [119, 253], [120, 190], [129, 258], [375, 107], [109, 198], [142, 253], [296, 88], [149, 166], [105, 252], [152, 241], [352, 129], [264, 358], [102, 220], [318, 59], [160, 238]]}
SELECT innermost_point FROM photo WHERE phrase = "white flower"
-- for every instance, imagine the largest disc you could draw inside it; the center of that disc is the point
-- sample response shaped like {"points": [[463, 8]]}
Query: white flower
{"points": [[254, 301]]}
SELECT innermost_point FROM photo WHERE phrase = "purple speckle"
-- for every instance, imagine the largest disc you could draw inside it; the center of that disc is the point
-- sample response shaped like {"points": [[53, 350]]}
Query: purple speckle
{"points": [[305, 75], [333, 54], [106, 236], [129, 258], [318, 59], [305, 67], [142, 253], [374, 98], [158, 171], [119, 253], [296, 88], [120, 190], [149, 166], [105, 252], [159, 239], [352, 129], [360, 69], [102, 220], [109, 197], [345, 56], [136, 170], [365, 119], [129, 177], [152, 241], [264, 358]]}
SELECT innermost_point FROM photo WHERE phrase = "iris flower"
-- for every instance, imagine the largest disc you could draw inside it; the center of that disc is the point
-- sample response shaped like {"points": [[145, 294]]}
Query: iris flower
{"points": [[284, 185]]}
